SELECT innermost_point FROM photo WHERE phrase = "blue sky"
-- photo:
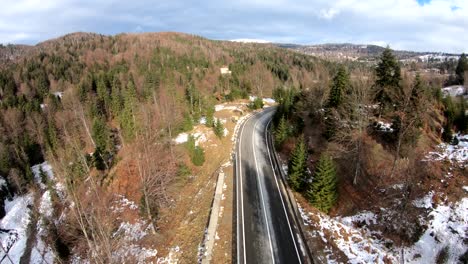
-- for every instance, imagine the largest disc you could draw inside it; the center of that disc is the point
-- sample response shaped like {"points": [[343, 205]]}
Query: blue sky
{"points": [[423, 2], [421, 25]]}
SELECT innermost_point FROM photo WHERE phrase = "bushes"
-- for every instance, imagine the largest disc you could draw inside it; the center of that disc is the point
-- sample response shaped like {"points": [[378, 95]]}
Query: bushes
{"points": [[256, 104], [196, 153], [218, 128]]}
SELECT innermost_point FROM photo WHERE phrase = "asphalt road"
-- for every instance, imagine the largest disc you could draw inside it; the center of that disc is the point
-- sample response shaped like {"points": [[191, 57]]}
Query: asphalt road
{"points": [[266, 232]]}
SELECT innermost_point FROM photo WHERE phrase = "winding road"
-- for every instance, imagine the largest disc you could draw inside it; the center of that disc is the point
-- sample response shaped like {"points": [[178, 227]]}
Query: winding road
{"points": [[266, 229]]}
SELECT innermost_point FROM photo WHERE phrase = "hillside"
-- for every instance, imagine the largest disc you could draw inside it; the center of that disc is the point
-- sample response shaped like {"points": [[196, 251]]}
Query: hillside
{"points": [[88, 163], [110, 147]]}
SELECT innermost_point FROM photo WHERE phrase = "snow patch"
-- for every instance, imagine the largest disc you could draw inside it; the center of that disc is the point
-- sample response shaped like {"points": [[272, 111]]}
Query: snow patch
{"points": [[47, 169], [14, 225], [351, 241], [252, 98], [365, 216], [249, 40], [202, 120], [221, 107], [384, 127], [455, 154], [446, 229], [424, 202], [172, 257], [2, 182], [122, 203], [181, 138], [131, 234], [453, 91], [269, 100]]}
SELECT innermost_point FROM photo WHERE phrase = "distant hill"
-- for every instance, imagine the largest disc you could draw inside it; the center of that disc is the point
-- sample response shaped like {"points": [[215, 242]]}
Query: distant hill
{"points": [[11, 52], [347, 51]]}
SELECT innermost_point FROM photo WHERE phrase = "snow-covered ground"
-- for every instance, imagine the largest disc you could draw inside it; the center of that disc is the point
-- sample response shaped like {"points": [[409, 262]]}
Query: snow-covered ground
{"points": [[41, 252], [183, 137], [453, 91], [172, 257], [132, 233], [384, 127], [353, 242], [447, 228], [221, 107], [455, 154], [249, 40], [438, 57], [14, 225], [46, 169]]}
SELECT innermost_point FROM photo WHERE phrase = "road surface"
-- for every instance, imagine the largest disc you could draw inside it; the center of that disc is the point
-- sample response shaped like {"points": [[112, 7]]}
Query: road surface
{"points": [[266, 232]]}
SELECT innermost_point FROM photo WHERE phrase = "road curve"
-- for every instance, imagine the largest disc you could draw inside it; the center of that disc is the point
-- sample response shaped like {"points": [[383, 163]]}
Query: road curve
{"points": [[266, 232]]}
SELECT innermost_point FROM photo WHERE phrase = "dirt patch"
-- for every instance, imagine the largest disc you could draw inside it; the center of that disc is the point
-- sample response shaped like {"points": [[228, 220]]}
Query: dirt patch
{"points": [[182, 225]]}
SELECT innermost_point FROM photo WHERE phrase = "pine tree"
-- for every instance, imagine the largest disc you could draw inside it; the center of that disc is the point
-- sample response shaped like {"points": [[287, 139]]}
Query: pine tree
{"points": [[462, 67], [340, 83], [51, 135], [218, 128], [102, 90], [196, 153], [462, 119], [322, 192], [101, 134], [388, 75], [297, 169], [210, 117], [281, 132], [116, 97], [127, 117], [198, 156]]}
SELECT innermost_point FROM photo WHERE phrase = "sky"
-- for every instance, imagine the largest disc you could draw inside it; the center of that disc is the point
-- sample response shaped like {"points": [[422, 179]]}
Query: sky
{"points": [[418, 25]]}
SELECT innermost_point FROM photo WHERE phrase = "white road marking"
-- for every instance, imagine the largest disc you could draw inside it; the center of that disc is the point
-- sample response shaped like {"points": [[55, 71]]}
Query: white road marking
{"points": [[241, 192], [281, 196], [261, 192]]}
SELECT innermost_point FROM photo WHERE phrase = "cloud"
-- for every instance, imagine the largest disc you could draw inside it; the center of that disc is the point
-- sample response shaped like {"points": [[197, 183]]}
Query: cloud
{"points": [[329, 13], [436, 25]]}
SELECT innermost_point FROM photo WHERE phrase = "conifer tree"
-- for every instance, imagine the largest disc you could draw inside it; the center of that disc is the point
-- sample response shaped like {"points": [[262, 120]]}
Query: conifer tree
{"points": [[116, 97], [218, 128], [103, 91], [340, 81], [322, 192], [101, 134], [127, 117], [51, 135], [196, 153], [281, 132], [388, 75], [297, 169], [209, 117], [462, 67]]}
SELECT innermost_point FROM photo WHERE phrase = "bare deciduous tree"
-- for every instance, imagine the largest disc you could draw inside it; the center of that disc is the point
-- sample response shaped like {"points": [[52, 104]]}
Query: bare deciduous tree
{"points": [[156, 167], [354, 116]]}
